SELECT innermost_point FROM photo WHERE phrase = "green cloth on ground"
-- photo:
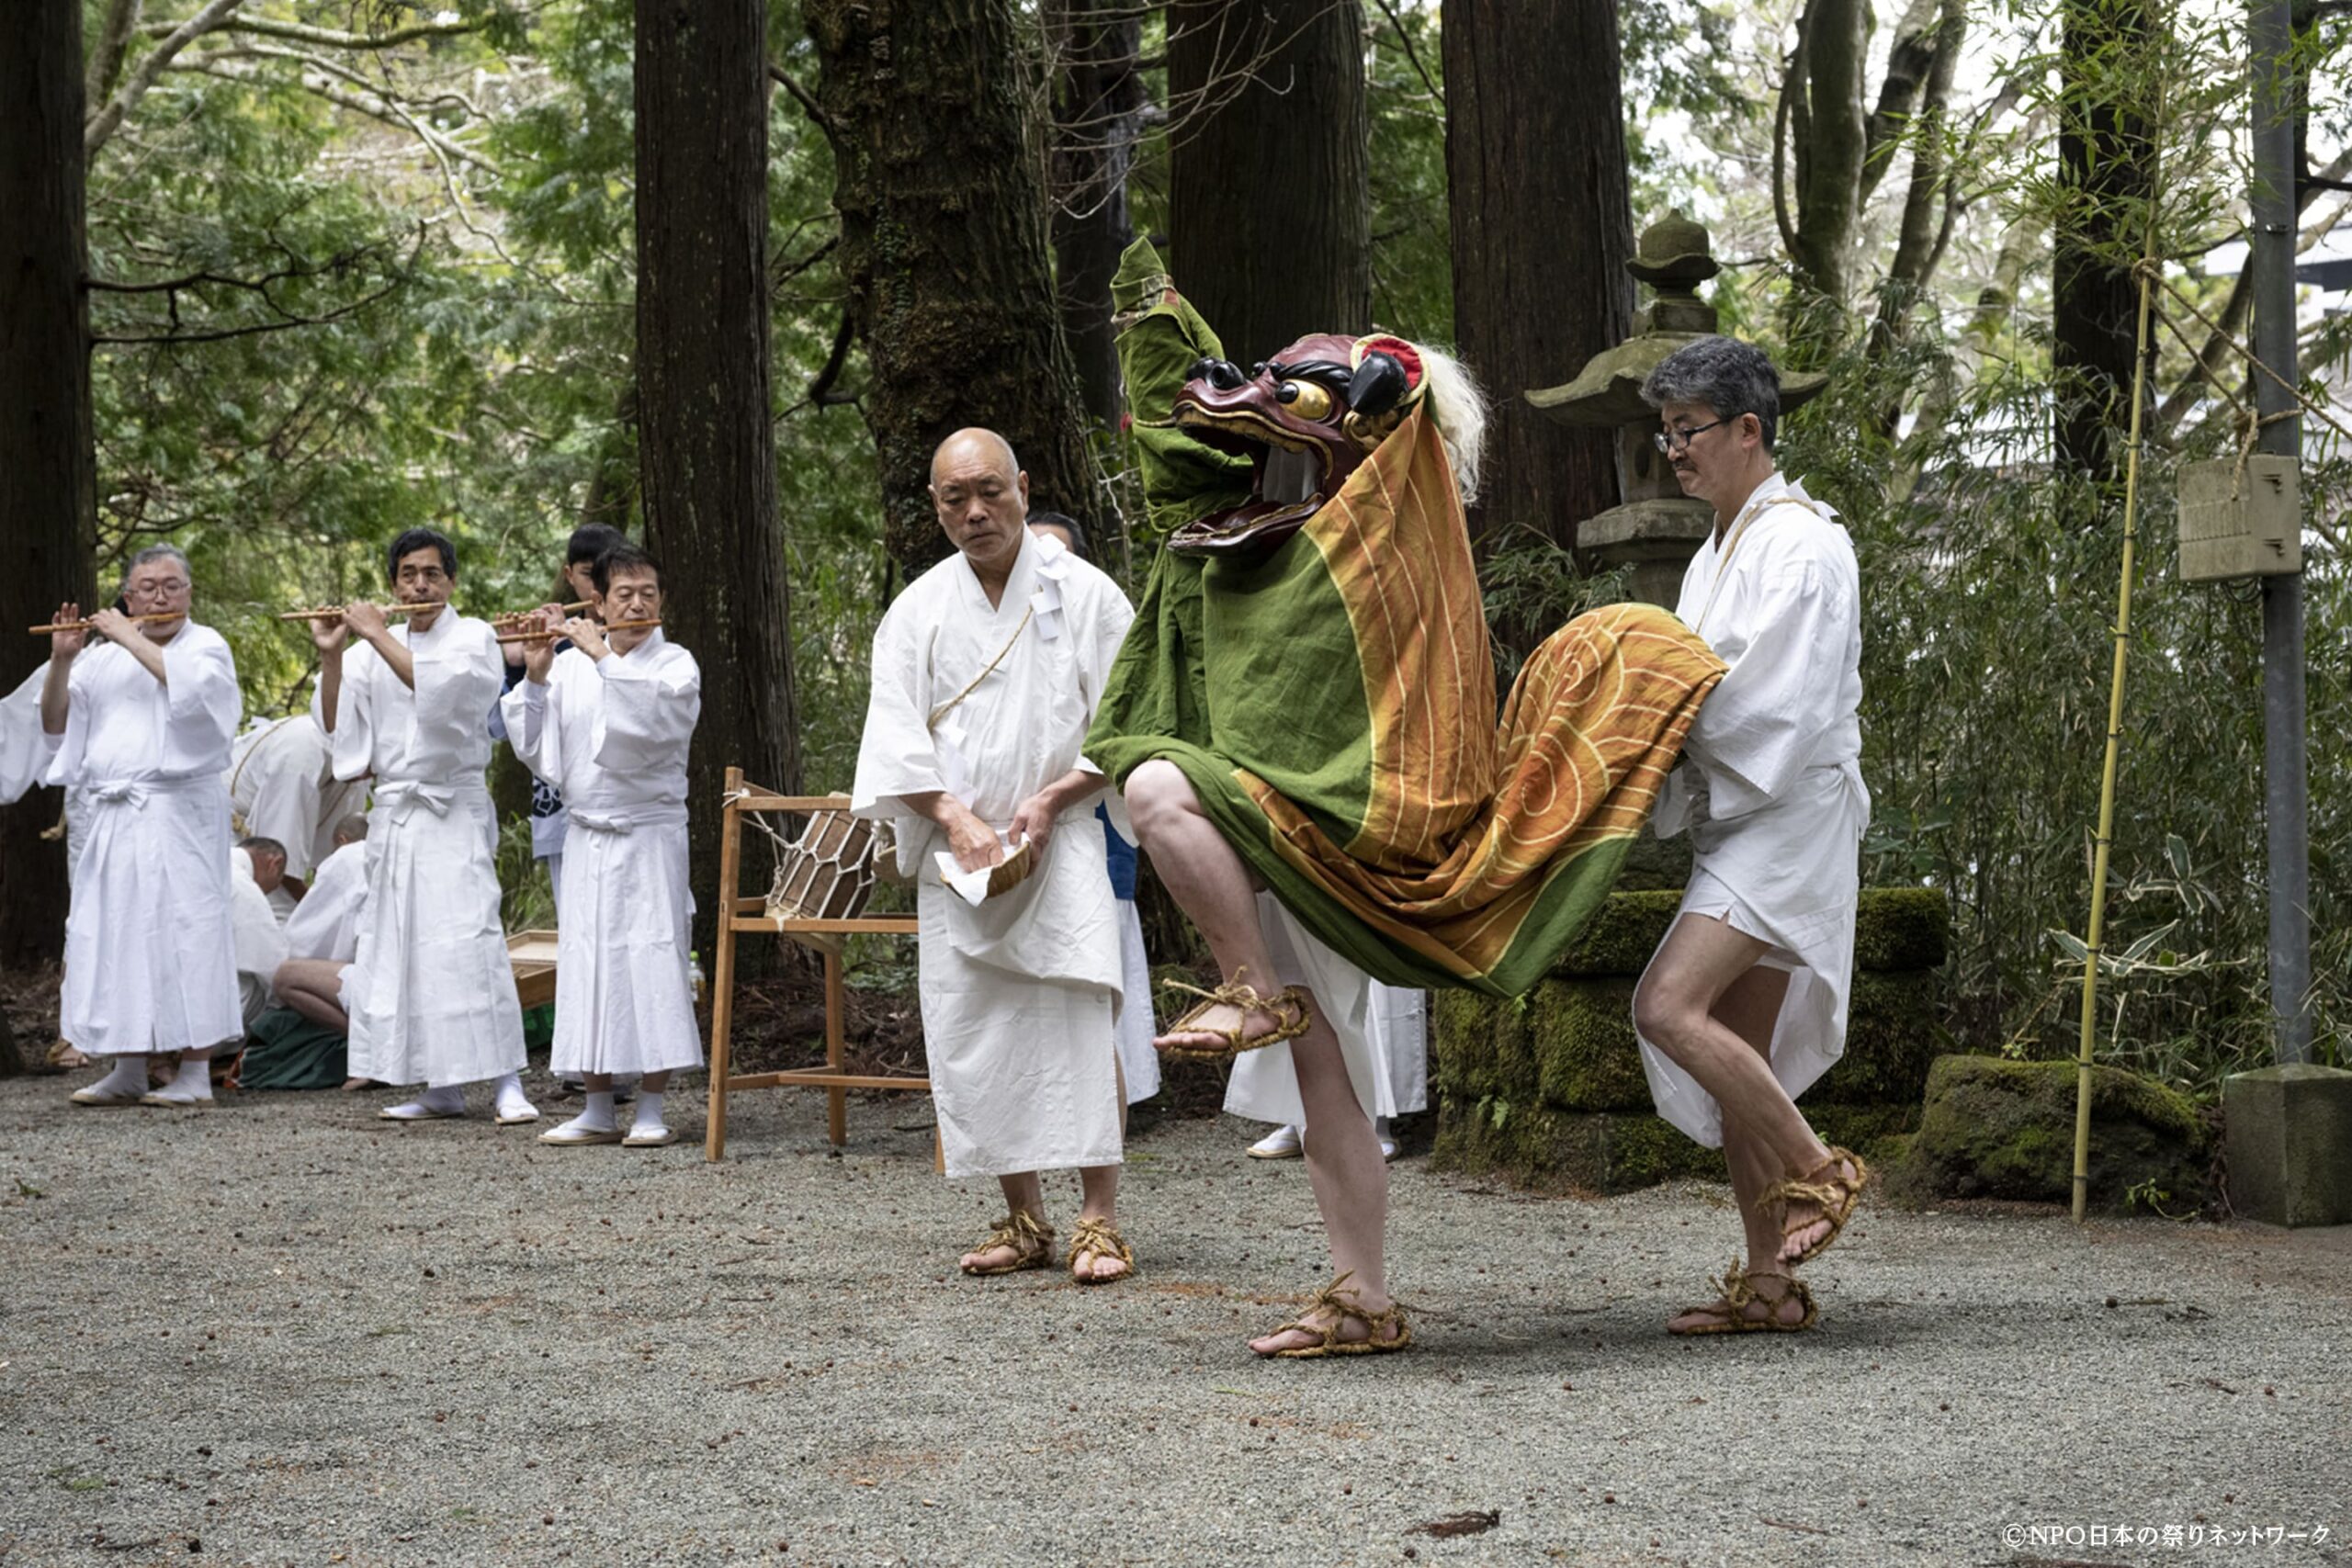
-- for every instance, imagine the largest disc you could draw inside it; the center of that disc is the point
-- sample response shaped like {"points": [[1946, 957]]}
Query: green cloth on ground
{"points": [[285, 1050]]}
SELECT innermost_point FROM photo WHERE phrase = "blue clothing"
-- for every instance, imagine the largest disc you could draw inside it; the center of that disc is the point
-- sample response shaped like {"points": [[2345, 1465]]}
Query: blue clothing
{"points": [[1122, 855]]}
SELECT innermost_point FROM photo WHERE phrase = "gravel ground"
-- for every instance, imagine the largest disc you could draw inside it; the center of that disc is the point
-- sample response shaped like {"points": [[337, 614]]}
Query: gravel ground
{"points": [[282, 1332]]}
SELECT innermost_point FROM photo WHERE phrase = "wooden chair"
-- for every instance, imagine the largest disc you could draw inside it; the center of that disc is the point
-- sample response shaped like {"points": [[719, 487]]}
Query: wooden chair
{"points": [[740, 915]]}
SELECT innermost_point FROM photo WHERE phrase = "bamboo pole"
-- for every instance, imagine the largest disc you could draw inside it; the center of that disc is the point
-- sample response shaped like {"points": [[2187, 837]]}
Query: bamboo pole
{"points": [[2106, 838], [722, 979]]}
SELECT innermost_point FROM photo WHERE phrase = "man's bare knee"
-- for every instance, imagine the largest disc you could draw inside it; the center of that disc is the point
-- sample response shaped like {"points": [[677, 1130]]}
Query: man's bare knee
{"points": [[1157, 794], [1662, 1015]]}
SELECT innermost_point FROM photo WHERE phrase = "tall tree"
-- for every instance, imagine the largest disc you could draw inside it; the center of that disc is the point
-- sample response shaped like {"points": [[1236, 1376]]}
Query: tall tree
{"points": [[1542, 228], [940, 182], [1831, 147], [1097, 114], [2106, 160], [706, 456], [1268, 168], [48, 469]]}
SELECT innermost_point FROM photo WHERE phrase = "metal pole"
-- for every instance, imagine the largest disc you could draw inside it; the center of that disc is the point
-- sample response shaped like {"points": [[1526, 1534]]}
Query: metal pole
{"points": [[2270, 35]]}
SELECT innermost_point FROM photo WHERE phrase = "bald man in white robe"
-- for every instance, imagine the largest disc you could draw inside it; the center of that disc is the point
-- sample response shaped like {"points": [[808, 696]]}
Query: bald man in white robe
{"points": [[986, 672]]}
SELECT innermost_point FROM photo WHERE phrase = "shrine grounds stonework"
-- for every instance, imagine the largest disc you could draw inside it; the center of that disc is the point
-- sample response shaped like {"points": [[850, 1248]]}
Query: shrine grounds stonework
{"points": [[281, 1332]]}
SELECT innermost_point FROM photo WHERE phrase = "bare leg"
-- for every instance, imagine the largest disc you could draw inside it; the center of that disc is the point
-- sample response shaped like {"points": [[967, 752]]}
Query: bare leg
{"points": [[1675, 1007], [1099, 1200], [313, 987], [1350, 1178], [1099, 1185], [1213, 887], [1207, 880], [1750, 1008]]}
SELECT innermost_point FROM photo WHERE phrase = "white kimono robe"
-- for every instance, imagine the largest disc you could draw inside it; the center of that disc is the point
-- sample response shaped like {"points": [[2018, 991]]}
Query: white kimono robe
{"points": [[259, 940], [430, 994], [1771, 786], [612, 735], [150, 963], [1384, 1031], [24, 753], [282, 786], [326, 924], [1020, 994]]}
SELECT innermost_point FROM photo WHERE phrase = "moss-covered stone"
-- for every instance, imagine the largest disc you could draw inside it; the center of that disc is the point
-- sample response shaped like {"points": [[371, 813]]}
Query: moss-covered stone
{"points": [[1993, 1128], [1894, 1033], [1548, 1150], [1902, 928], [1894, 928], [1569, 1044], [1622, 934]]}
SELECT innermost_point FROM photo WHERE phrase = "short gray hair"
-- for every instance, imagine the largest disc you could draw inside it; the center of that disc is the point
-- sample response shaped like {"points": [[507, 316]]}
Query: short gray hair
{"points": [[1726, 375], [158, 552]]}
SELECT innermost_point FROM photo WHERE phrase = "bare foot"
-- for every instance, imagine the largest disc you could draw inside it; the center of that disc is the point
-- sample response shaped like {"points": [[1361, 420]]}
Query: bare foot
{"points": [[1018, 1241], [1210, 1034], [1755, 1296], [1095, 1251], [1356, 1322], [1805, 1226]]}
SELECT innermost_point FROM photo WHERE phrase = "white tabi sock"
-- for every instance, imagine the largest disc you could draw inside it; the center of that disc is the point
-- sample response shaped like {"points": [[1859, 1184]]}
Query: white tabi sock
{"points": [[598, 1116], [450, 1099], [512, 1099], [649, 1111], [192, 1083], [129, 1077]]}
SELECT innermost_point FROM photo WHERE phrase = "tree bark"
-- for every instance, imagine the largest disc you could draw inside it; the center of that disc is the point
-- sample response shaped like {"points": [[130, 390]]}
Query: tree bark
{"points": [[47, 463], [1098, 113], [1830, 135], [1269, 169], [1542, 228], [706, 456], [940, 181], [1928, 210], [2105, 161]]}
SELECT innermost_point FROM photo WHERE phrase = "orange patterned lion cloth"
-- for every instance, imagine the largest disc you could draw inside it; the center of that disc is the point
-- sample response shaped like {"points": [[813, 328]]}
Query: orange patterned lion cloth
{"points": [[1330, 696]]}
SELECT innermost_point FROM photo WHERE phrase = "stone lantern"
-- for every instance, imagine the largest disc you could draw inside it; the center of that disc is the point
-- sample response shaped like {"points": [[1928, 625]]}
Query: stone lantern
{"points": [[1656, 528]]}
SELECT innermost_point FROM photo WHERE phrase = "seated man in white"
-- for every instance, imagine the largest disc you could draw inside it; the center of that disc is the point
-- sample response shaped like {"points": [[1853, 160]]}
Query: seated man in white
{"points": [[323, 934]]}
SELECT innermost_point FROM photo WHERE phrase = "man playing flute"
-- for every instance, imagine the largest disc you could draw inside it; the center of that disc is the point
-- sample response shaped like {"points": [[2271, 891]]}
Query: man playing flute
{"points": [[607, 721], [141, 726], [431, 995]]}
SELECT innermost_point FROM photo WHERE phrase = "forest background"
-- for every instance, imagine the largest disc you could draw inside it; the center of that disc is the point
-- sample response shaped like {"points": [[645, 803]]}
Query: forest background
{"points": [[347, 266]]}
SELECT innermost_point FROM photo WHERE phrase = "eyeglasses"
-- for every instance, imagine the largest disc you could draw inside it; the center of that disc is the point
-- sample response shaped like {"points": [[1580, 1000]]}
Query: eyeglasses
{"points": [[1672, 441]]}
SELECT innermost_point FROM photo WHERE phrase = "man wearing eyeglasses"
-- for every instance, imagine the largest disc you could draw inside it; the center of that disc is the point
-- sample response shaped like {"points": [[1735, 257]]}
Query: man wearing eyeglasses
{"points": [[141, 724], [1744, 1006], [430, 994]]}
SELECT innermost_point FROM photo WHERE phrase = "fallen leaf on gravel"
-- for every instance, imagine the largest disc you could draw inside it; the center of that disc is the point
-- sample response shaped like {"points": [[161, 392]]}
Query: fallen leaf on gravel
{"points": [[1460, 1524]]}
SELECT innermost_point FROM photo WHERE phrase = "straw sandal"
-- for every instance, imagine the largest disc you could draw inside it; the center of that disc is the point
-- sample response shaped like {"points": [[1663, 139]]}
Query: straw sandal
{"points": [[1832, 1196], [1730, 1314], [1384, 1332], [1032, 1244], [1095, 1238], [1288, 1008]]}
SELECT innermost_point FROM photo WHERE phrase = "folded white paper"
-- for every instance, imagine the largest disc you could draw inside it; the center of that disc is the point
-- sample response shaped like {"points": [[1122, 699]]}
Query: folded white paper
{"points": [[972, 887]]}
